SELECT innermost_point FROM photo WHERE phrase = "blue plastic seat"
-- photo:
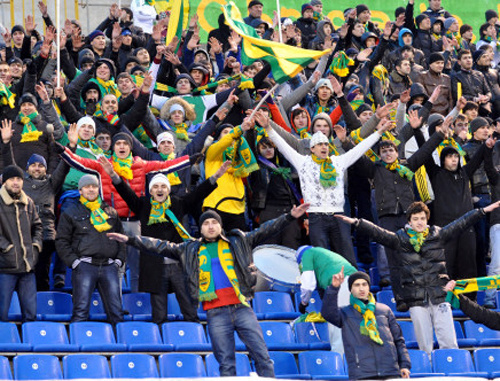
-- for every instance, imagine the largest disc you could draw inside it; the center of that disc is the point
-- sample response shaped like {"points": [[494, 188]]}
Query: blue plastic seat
{"points": [[375, 279], [185, 365], [5, 372], [322, 365], [421, 365], [461, 339], [387, 297], [47, 336], [243, 368], [94, 337], [85, 366], [315, 302], [488, 360], [273, 305], [408, 334], [315, 335], [185, 336], [138, 305], [37, 367], [485, 336], [15, 308], [455, 363], [133, 365], [279, 337], [173, 308], [54, 306], [141, 337], [10, 340], [96, 310], [285, 366]]}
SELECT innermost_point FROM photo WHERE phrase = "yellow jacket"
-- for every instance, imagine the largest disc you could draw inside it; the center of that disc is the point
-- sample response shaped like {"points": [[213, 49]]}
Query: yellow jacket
{"points": [[229, 196]]}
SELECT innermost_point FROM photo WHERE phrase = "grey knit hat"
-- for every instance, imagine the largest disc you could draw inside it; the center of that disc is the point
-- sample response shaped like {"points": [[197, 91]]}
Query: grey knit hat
{"points": [[87, 180]]}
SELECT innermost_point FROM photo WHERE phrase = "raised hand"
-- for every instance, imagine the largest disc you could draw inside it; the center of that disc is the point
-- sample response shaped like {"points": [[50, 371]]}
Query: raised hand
{"points": [[387, 29], [385, 110], [7, 38], [299, 211], [341, 132], [316, 77], [68, 27], [107, 166], [222, 169], [117, 30], [59, 93], [173, 44], [148, 81], [215, 45], [72, 135], [435, 94], [173, 58], [338, 278], [232, 99], [29, 24], [337, 86], [414, 120], [461, 103], [450, 285], [248, 122], [364, 54], [405, 96], [43, 8], [42, 92], [7, 130], [262, 119], [221, 113], [385, 125]]}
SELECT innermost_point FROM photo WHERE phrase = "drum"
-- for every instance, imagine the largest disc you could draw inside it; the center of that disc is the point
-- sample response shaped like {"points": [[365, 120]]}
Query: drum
{"points": [[277, 268]]}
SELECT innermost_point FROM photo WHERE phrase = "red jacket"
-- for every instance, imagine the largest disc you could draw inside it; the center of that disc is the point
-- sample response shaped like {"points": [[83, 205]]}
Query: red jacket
{"points": [[139, 168]]}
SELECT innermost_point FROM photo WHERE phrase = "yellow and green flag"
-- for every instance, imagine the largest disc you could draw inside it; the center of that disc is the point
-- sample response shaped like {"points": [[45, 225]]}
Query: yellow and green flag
{"points": [[286, 61], [178, 20]]}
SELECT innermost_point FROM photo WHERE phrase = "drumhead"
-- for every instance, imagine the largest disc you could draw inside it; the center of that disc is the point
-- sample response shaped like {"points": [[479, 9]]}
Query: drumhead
{"points": [[277, 263]]}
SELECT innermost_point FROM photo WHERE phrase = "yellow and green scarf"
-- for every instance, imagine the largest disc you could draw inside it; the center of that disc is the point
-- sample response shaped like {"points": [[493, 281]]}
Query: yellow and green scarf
{"points": [[90, 145], [368, 326], [112, 119], [471, 285], [98, 216], [7, 97], [327, 172], [173, 177], [356, 138], [450, 143], [30, 132], [142, 136], [340, 64], [123, 167], [246, 83], [207, 285], [243, 161], [381, 73], [180, 131], [417, 239], [402, 171], [161, 210], [107, 87]]}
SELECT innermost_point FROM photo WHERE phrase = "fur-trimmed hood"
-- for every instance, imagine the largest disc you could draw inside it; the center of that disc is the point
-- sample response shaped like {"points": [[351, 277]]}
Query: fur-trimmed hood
{"points": [[189, 114]]}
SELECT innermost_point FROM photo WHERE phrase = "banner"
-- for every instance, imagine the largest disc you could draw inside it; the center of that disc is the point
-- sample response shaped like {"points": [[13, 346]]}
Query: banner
{"points": [[382, 11]]}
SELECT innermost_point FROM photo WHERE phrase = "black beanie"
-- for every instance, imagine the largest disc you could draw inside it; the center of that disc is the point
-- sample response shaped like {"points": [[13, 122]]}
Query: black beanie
{"points": [[358, 275], [477, 123], [489, 14], [399, 10], [362, 108], [27, 97], [122, 136], [12, 171], [361, 8], [209, 214], [434, 57], [17, 28]]}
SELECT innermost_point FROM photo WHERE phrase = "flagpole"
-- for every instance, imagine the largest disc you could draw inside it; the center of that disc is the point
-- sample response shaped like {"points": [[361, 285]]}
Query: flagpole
{"points": [[58, 41], [263, 100], [278, 9]]}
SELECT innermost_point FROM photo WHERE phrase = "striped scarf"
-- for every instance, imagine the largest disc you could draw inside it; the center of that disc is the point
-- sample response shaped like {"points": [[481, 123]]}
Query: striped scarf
{"points": [[30, 132], [242, 159], [471, 285], [7, 97], [180, 131], [173, 177], [402, 171], [123, 166], [160, 211], [368, 326], [327, 172], [98, 216], [417, 239], [90, 146]]}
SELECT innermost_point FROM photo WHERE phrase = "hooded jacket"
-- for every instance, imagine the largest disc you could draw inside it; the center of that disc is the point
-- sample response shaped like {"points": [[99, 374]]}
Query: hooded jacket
{"points": [[222, 33], [308, 29]]}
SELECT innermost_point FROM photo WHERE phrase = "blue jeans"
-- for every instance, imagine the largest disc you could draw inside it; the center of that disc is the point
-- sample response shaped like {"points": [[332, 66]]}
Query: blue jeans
{"points": [[86, 277], [25, 285], [327, 231], [222, 322]]}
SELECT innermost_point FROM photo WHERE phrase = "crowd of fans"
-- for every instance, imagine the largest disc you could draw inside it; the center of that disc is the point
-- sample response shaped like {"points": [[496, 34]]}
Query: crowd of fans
{"points": [[136, 137]]}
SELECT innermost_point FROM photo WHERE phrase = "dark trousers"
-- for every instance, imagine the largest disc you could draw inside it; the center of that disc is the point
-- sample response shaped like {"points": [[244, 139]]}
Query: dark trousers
{"points": [[172, 280], [42, 268], [329, 232], [460, 254], [25, 285], [85, 278], [482, 229], [361, 206]]}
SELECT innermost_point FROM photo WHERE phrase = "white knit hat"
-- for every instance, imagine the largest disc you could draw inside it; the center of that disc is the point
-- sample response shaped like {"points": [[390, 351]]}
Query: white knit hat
{"points": [[323, 82], [160, 178], [165, 136], [85, 120], [317, 138]]}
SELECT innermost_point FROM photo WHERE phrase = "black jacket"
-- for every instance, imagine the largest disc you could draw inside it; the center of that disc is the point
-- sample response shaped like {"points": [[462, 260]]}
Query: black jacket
{"points": [[422, 40], [393, 193], [18, 253], [241, 245], [150, 266], [364, 357], [480, 183], [308, 30], [423, 275], [76, 237], [473, 84], [479, 314]]}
